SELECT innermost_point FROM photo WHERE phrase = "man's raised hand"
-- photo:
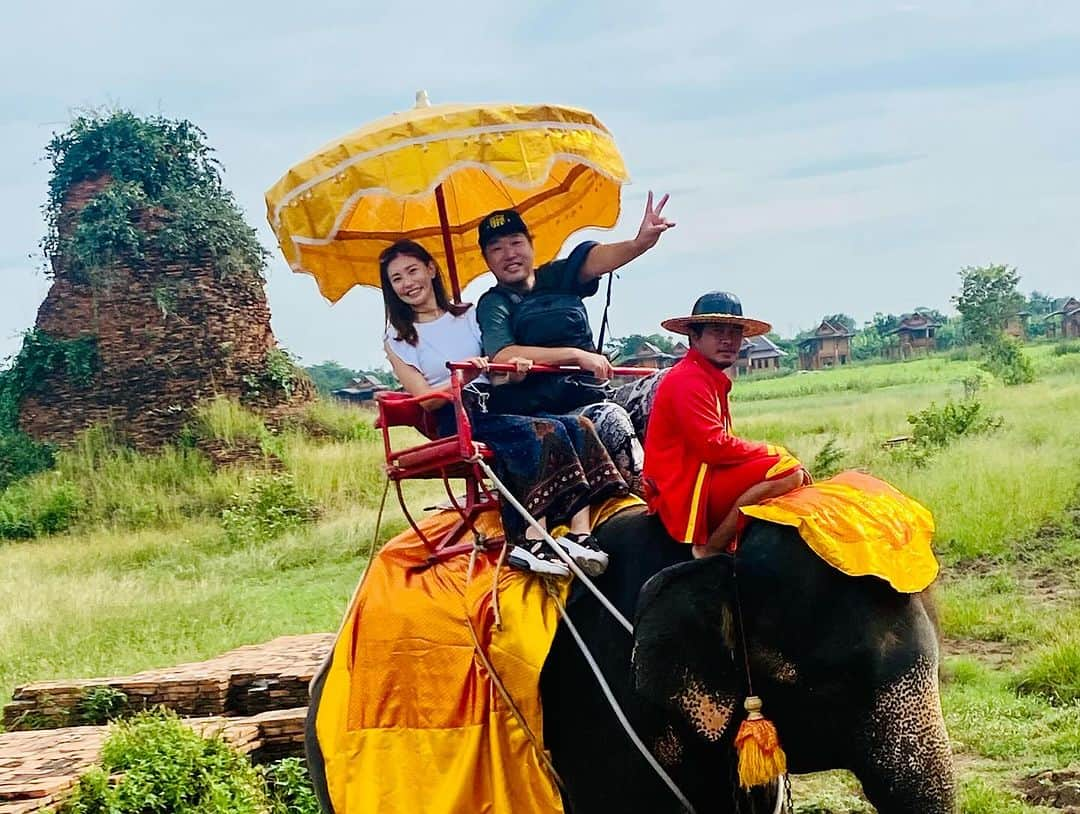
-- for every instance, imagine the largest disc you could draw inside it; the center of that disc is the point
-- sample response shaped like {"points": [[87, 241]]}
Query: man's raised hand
{"points": [[653, 224]]}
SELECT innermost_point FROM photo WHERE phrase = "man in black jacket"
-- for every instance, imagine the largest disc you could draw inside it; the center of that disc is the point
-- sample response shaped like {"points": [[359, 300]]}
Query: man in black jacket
{"points": [[539, 313]]}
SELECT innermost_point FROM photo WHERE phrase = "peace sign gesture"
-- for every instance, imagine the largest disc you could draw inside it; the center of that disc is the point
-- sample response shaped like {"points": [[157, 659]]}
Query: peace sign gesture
{"points": [[653, 224]]}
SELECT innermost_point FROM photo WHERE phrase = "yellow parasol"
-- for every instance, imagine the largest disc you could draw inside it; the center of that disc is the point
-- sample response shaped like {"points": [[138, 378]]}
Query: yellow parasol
{"points": [[431, 174]]}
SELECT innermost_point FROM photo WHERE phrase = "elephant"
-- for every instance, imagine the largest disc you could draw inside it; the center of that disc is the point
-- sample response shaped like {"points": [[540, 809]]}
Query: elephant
{"points": [[847, 668]]}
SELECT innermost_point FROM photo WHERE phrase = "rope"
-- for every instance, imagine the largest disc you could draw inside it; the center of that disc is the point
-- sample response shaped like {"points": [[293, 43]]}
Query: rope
{"points": [[495, 585], [604, 320], [619, 714], [623, 720], [742, 630], [573, 566], [496, 679]]}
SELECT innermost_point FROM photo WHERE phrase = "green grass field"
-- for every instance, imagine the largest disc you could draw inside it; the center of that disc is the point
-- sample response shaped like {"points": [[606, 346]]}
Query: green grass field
{"points": [[148, 575]]}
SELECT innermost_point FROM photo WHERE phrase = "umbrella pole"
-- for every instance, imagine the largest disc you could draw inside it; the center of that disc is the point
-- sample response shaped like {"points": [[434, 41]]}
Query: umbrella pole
{"points": [[448, 247]]}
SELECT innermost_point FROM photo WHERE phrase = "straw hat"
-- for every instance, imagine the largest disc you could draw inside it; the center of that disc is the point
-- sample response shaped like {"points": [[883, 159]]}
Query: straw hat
{"points": [[717, 308]]}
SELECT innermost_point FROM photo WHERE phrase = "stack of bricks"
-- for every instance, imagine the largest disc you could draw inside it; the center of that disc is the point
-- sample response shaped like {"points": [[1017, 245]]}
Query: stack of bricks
{"points": [[169, 334], [244, 681], [39, 769], [254, 696]]}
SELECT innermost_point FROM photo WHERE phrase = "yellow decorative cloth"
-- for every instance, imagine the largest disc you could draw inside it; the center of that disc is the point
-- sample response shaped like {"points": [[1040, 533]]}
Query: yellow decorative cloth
{"points": [[410, 719], [861, 526], [335, 211]]}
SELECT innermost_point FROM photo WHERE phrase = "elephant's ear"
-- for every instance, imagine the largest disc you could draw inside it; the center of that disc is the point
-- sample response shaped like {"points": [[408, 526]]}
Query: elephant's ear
{"points": [[683, 644]]}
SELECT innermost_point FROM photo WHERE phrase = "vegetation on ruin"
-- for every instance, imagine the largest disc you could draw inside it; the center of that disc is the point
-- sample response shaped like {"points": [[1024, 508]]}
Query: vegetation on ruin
{"points": [[163, 196]]}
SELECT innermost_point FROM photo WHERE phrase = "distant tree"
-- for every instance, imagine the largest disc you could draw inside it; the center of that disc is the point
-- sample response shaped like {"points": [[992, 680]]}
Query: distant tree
{"points": [[950, 334], [1039, 304], [988, 297], [624, 346], [788, 346], [330, 376], [883, 323], [874, 337], [868, 343]]}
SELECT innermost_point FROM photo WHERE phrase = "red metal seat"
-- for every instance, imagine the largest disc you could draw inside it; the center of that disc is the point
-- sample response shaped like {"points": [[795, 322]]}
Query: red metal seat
{"points": [[449, 458]]}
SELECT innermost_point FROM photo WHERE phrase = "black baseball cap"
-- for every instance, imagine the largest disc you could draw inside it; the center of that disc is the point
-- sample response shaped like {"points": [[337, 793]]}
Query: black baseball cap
{"points": [[498, 223]]}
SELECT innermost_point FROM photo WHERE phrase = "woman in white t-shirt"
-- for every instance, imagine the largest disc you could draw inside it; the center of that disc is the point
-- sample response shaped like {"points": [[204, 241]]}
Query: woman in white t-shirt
{"points": [[539, 459]]}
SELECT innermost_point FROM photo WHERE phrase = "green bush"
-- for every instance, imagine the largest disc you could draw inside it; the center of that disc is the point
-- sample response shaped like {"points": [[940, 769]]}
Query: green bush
{"points": [[977, 796], [325, 419], [1005, 359], [21, 455], [1066, 347], [937, 427], [270, 507], [167, 768], [99, 705], [1053, 672], [280, 373], [289, 787], [31, 509], [226, 420], [828, 461], [159, 168], [42, 354]]}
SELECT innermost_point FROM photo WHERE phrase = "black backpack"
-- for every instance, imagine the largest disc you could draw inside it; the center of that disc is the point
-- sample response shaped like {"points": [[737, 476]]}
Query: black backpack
{"points": [[549, 320]]}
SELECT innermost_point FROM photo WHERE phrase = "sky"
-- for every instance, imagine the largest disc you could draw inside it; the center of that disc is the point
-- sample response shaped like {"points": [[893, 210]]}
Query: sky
{"points": [[836, 156]]}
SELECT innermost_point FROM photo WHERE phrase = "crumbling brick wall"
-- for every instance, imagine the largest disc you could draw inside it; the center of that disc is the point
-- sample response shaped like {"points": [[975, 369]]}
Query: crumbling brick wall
{"points": [[168, 335]]}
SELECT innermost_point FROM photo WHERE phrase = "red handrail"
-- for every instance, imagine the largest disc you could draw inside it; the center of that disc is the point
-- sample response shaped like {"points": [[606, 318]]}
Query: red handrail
{"points": [[495, 367]]}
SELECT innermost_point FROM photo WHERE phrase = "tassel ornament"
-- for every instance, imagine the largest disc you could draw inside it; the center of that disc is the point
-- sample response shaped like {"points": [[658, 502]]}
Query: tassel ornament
{"points": [[761, 759]]}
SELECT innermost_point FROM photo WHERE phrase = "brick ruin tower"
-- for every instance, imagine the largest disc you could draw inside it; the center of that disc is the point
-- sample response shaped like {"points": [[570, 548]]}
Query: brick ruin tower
{"points": [[157, 300]]}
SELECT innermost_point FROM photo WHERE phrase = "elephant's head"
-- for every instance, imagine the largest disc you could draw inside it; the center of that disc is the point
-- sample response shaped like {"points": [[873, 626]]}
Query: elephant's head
{"points": [[846, 666], [684, 639]]}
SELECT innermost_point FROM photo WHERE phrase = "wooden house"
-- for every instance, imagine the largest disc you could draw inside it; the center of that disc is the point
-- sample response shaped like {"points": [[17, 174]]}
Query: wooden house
{"points": [[915, 337], [829, 346], [1063, 322], [361, 390], [756, 354], [646, 354]]}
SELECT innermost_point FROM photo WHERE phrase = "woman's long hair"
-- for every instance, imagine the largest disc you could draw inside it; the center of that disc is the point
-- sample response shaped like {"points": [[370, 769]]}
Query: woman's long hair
{"points": [[399, 313]]}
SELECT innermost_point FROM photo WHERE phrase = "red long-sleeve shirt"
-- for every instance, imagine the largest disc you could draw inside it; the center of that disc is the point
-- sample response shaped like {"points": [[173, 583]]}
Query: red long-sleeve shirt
{"points": [[689, 436]]}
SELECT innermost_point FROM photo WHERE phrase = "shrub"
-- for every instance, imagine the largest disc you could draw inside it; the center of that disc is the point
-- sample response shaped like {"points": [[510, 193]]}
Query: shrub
{"points": [[289, 787], [40, 355], [35, 508], [937, 427], [99, 705], [973, 385], [21, 455], [1005, 359], [271, 507], [1066, 347], [828, 460], [977, 796], [167, 768], [280, 373], [226, 420], [1053, 672], [324, 418]]}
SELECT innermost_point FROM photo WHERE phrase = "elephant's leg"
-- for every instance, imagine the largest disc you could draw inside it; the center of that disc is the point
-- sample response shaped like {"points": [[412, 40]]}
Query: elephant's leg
{"points": [[904, 761]]}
